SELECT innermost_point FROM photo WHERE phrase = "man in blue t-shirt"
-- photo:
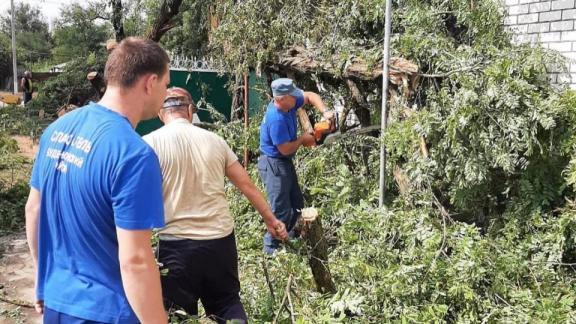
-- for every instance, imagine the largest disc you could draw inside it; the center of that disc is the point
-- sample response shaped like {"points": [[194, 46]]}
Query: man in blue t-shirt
{"points": [[96, 194], [279, 141]]}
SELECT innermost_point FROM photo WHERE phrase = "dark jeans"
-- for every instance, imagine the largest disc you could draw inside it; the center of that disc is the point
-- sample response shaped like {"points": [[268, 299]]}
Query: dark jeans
{"points": [[205, 270], [53, 317], [284, 194], [27, 97]]}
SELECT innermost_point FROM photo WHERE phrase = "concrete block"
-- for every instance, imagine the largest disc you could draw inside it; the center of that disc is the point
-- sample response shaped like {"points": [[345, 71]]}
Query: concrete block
{"points": [[568, 14], [518, 10], [550, 15], [553, 77], [510, 2], [562, 25], [556, 68], [572, 68], [539, 28], [571, 56], [527, 1], [569, 35], [529, 18], [564, 78], [561, 46], [573, 86], [550, 37], [510, 20], [539, 6], [519, 29], [530, 38], [562, 4]]}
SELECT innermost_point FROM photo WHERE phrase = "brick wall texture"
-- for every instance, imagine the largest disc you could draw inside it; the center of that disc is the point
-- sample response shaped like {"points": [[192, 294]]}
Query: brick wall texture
{"points": [[550, 23]]}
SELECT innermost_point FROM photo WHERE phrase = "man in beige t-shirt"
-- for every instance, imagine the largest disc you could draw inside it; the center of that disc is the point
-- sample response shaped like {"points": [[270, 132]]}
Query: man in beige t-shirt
{"points": [[197, 246]]}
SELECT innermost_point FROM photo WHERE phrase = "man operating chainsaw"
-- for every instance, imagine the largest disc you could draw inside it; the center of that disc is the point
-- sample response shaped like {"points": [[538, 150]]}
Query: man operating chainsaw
{"points": [[279, 141]]}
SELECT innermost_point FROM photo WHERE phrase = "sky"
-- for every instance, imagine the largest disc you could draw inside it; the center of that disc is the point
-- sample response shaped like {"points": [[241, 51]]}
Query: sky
{"points": [[50, 8]]}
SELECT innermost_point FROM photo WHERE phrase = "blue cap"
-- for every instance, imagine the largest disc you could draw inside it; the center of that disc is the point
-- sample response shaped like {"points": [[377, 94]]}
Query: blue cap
{"points": [[285, 86]]}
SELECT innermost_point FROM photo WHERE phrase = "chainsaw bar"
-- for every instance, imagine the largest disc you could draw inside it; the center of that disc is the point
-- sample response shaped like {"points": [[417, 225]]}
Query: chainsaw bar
{"points": [[334, 137]]}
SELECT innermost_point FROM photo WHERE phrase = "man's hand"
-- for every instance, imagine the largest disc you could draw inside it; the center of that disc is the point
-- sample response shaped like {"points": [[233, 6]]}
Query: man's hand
{"points": [[39, 306], [308, 140], [277, 229], [328, 114]]}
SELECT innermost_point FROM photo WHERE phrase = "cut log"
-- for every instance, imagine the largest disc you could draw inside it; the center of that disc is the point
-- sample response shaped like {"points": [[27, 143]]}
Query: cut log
{"points": [[313, 233], [97, 82]]}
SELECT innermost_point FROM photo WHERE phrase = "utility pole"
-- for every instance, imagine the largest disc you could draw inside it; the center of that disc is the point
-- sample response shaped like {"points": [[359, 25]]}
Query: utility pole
{"points": [[14, 68], [384, 115]]}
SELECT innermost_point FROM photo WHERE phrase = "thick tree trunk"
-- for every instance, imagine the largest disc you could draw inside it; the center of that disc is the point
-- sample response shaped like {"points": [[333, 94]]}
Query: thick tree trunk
{"points": [[313, 233], [165, 20], [117, 20]]}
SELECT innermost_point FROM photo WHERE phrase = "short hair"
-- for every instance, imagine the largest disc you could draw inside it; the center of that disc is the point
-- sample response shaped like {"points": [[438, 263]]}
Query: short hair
{"points": [[132, 58]]}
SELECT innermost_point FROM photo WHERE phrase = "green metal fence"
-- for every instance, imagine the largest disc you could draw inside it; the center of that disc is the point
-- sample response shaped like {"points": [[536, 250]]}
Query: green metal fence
{"points": [[212, 88]]}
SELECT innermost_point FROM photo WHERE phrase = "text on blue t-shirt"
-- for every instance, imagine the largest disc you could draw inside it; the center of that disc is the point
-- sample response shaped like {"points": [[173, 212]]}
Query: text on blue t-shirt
{"points": [[94, 174]]}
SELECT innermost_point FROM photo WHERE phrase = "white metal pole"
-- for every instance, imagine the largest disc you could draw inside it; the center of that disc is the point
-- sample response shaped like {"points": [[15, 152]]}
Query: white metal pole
{"points": [[384, 117], [14, 68]]}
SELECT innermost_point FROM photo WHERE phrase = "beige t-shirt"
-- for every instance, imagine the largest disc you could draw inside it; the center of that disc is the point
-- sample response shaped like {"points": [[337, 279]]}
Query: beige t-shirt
{"points": [[193, 162]]}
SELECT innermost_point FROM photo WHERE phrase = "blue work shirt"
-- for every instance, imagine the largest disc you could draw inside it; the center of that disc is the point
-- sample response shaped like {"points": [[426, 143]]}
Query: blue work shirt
{"points": [[279, 127], [94, 174]]}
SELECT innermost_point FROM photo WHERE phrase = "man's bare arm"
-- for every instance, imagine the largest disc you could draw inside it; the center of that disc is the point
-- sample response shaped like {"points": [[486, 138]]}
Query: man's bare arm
{"points": [[290, 148], [315, 100], [140, 275], [240, 178], [32, 213]]}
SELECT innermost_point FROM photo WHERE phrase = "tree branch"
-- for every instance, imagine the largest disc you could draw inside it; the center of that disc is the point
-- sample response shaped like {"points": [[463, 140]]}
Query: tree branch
{"points": [[16, 302], [164, 20]]}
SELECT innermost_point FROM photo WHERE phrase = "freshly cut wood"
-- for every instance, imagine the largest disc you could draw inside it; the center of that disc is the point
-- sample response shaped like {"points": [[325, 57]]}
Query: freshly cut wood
{"points": [[313, 233]]}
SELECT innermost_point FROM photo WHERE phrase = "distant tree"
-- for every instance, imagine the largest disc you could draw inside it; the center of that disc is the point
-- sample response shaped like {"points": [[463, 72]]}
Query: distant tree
{"points": [[190, 36], [80, 31], [32, 34]]}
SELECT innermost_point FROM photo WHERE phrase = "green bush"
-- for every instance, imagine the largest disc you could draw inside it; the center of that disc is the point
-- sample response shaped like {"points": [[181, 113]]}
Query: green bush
{"points": [[13, 191]]}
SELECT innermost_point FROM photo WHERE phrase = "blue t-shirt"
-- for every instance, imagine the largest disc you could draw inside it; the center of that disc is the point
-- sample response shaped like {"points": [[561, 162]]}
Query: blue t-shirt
{"points": [[278, 127], [94, 173]]}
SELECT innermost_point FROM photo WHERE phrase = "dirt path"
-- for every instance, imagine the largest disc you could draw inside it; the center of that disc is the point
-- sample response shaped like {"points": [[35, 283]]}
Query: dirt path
{"points": [[16, 280], [26, 145]]}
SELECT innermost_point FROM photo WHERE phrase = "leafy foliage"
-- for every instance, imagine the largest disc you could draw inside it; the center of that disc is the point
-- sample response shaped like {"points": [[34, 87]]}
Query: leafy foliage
{"points": [[76, 33], [32, 35], [486, 230], [405, 264], [70, 87], [499, 159], [13, 190]]}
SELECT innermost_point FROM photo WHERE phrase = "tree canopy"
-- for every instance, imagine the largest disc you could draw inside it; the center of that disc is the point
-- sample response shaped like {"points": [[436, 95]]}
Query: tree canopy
{"points": [[479, 224]]}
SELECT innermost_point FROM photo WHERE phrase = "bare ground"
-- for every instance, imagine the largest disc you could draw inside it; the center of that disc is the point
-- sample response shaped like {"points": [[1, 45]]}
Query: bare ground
{"points": [[17, 281]]}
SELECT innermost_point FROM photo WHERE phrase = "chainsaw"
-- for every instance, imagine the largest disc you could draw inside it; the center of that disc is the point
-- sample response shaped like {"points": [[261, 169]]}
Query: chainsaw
{"points": [[324, 128], [327, 131]]}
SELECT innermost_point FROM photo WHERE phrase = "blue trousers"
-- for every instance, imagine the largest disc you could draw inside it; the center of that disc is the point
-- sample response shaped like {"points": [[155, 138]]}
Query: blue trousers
{"points": [[284, 194], [54, 317]]}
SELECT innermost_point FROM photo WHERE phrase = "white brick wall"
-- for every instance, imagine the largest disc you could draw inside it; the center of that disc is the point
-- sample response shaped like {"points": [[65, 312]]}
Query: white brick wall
{"points": [[550, 23]]}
